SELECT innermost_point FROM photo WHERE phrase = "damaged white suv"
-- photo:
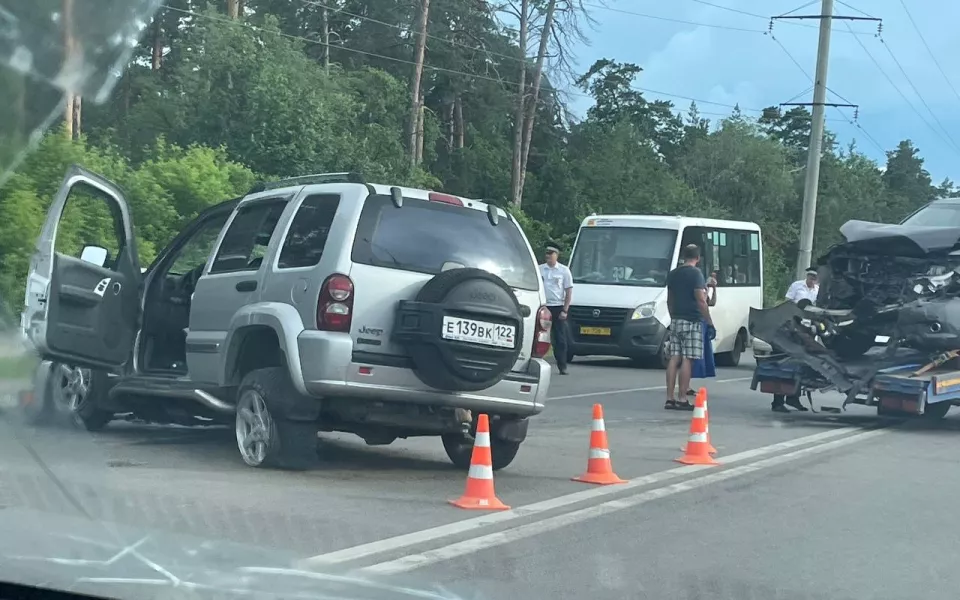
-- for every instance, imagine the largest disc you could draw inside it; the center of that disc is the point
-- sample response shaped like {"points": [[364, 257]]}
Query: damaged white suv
{"points": [[321, 303]]}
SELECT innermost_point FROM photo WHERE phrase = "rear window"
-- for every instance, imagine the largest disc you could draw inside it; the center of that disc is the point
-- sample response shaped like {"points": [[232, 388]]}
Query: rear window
{"points": [[424, 236]]}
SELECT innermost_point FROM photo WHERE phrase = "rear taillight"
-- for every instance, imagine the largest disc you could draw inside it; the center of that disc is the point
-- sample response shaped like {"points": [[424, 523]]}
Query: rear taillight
{"points": [[335, 306], [541, 333]]}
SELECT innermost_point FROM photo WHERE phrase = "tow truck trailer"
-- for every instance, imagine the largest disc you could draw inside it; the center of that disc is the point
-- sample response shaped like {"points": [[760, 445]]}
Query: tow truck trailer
{"points": [[904, 383]]}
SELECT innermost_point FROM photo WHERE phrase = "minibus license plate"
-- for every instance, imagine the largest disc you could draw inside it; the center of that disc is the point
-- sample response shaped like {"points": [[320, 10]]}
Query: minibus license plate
{"points": [[594, 331]]}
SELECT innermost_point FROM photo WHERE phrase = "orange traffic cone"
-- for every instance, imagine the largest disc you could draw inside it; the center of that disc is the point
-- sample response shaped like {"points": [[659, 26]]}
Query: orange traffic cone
{"points": [[599, 467], [479, 493], [706, 418], [702, 397], [698, 447]]}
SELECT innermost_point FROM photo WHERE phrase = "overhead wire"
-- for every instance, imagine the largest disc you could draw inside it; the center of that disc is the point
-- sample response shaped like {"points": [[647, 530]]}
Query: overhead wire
{"points": [[429, 36], [442, 69], [933, 57], [672, 19], [899, 91], [919, 95], [852, 123]]}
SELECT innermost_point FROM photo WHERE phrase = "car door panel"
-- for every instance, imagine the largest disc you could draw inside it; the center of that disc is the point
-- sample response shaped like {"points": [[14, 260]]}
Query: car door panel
{"points": [[230, 281], [78, 312]]}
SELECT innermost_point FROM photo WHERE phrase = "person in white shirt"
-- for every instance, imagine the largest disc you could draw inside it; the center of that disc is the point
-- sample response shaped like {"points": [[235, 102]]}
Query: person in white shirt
{"points": [[805, 289], [558, 285]]}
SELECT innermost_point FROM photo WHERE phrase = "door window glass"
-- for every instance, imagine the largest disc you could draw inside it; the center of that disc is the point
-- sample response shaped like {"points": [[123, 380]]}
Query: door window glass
{"points": [[90, 218], [248, 237], [308, 231], [196, 250]]}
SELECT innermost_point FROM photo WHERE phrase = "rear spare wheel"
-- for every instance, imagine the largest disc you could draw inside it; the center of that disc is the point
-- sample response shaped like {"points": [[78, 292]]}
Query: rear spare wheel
{"points": [[463, 331]]}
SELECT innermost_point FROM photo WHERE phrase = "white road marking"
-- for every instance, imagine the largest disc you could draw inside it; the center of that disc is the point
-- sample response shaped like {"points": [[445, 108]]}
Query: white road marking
{"points": [[485, 542], [633, 390], [467, 525]]}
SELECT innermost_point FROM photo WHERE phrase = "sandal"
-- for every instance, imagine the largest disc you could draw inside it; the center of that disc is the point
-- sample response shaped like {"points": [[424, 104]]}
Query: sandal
{"points": [[670, 405], [684, 405]]}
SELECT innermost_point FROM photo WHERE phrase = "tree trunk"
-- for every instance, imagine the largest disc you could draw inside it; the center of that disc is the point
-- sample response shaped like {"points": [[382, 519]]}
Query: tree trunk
{"points": [[325, 33], [458, 121], [68, 117], [420, 117], [156, 56], [537, 77], [233, 9], [69, 46], [75, 116], [520, 108], [241, 7], [418, 56], [451, 124]]}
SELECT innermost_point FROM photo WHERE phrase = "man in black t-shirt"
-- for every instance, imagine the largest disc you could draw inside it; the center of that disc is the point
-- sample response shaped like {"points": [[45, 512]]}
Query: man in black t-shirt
{"points": [[687, 303]]}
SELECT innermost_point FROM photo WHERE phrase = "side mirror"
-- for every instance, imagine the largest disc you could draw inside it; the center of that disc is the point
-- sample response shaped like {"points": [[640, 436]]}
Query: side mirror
{"points": [[94, 255]]}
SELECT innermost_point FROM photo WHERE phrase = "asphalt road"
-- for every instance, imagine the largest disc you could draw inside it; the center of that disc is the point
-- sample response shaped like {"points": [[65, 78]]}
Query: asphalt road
{"points": [[804, 505]]}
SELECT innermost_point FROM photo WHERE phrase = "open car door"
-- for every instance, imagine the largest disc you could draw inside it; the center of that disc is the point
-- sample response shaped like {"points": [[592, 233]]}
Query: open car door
{"points": [[82, 298]]}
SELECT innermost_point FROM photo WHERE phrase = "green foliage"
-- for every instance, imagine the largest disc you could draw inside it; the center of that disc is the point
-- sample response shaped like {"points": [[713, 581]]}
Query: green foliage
{"points": [[237, 101]]}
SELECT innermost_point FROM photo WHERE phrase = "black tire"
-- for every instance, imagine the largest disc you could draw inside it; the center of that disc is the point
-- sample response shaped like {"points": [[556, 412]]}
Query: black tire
{"points": [[287, 444], [849, 345], [88, 413], [660, 360], [459, 449], [936, 411], [732, 358], [458, 366], [36, 409]]}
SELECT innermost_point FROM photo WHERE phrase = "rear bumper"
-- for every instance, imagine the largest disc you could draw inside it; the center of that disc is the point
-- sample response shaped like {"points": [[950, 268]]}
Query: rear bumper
{"points": [[634, 338], [331, 368]]}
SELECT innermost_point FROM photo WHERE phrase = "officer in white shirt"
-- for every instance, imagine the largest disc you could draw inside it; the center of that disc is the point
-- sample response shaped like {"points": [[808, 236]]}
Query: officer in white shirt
{"points": [[558, 285], [805, 289]]}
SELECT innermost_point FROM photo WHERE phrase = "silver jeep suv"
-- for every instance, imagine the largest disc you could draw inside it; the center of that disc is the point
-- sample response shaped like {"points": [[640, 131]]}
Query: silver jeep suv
{"points": [[321, 303]]}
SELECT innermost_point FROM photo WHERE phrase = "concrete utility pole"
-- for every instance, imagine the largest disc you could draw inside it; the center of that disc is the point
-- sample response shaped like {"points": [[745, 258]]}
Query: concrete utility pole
{"points": [[819, 105], [809, 218]]}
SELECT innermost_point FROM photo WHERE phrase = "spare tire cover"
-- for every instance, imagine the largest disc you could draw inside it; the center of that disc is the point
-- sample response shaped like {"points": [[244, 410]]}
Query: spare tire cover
{"points": [[489, 310]]}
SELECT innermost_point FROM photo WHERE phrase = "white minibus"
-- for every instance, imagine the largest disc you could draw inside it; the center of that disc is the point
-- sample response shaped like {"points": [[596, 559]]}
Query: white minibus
{"points": [[620, 264]]}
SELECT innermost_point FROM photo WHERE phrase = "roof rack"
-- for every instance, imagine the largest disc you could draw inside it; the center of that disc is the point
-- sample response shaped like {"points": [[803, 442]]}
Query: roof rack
{"points": [[350, 177]]}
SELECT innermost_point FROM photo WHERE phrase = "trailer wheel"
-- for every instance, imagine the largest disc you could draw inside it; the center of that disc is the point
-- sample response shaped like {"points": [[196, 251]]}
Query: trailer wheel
{"points": [[936, 411]]}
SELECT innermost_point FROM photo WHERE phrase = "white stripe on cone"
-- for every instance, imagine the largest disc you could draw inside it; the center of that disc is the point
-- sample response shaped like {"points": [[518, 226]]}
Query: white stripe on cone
{"points": [[482, 439], [699, 413], [480, 472], [698, 437], [598, 425], [599, 453]]}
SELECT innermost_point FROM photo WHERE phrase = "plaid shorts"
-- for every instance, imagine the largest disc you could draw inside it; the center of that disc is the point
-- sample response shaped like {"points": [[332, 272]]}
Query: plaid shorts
{"points": [[685, 338]]}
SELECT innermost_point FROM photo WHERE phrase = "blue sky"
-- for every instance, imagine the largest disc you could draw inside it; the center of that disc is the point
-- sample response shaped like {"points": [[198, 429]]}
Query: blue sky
{"points": [[747, 67]]}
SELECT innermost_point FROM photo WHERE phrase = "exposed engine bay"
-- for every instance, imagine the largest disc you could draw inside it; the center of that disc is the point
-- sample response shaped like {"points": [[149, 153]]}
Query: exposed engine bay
{"points": [[896, 283]]}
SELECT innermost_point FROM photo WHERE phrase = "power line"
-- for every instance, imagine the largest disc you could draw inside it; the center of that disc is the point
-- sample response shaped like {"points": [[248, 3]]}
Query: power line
{"points": [[929, 51], [730, 9], [671, 19], [854, 8], [402, 28], [899, 91], [854, 123], [440, 69], [917, 92], [751, 14]]}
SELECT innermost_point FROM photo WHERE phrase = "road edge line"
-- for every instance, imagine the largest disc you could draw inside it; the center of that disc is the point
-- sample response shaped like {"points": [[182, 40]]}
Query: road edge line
{"points": [[636, 390], [406, 540], [485, 542]]}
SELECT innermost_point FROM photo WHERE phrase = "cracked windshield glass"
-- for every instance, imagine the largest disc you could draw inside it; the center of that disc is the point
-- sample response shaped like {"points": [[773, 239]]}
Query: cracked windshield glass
{"points": [[443, 299]]}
